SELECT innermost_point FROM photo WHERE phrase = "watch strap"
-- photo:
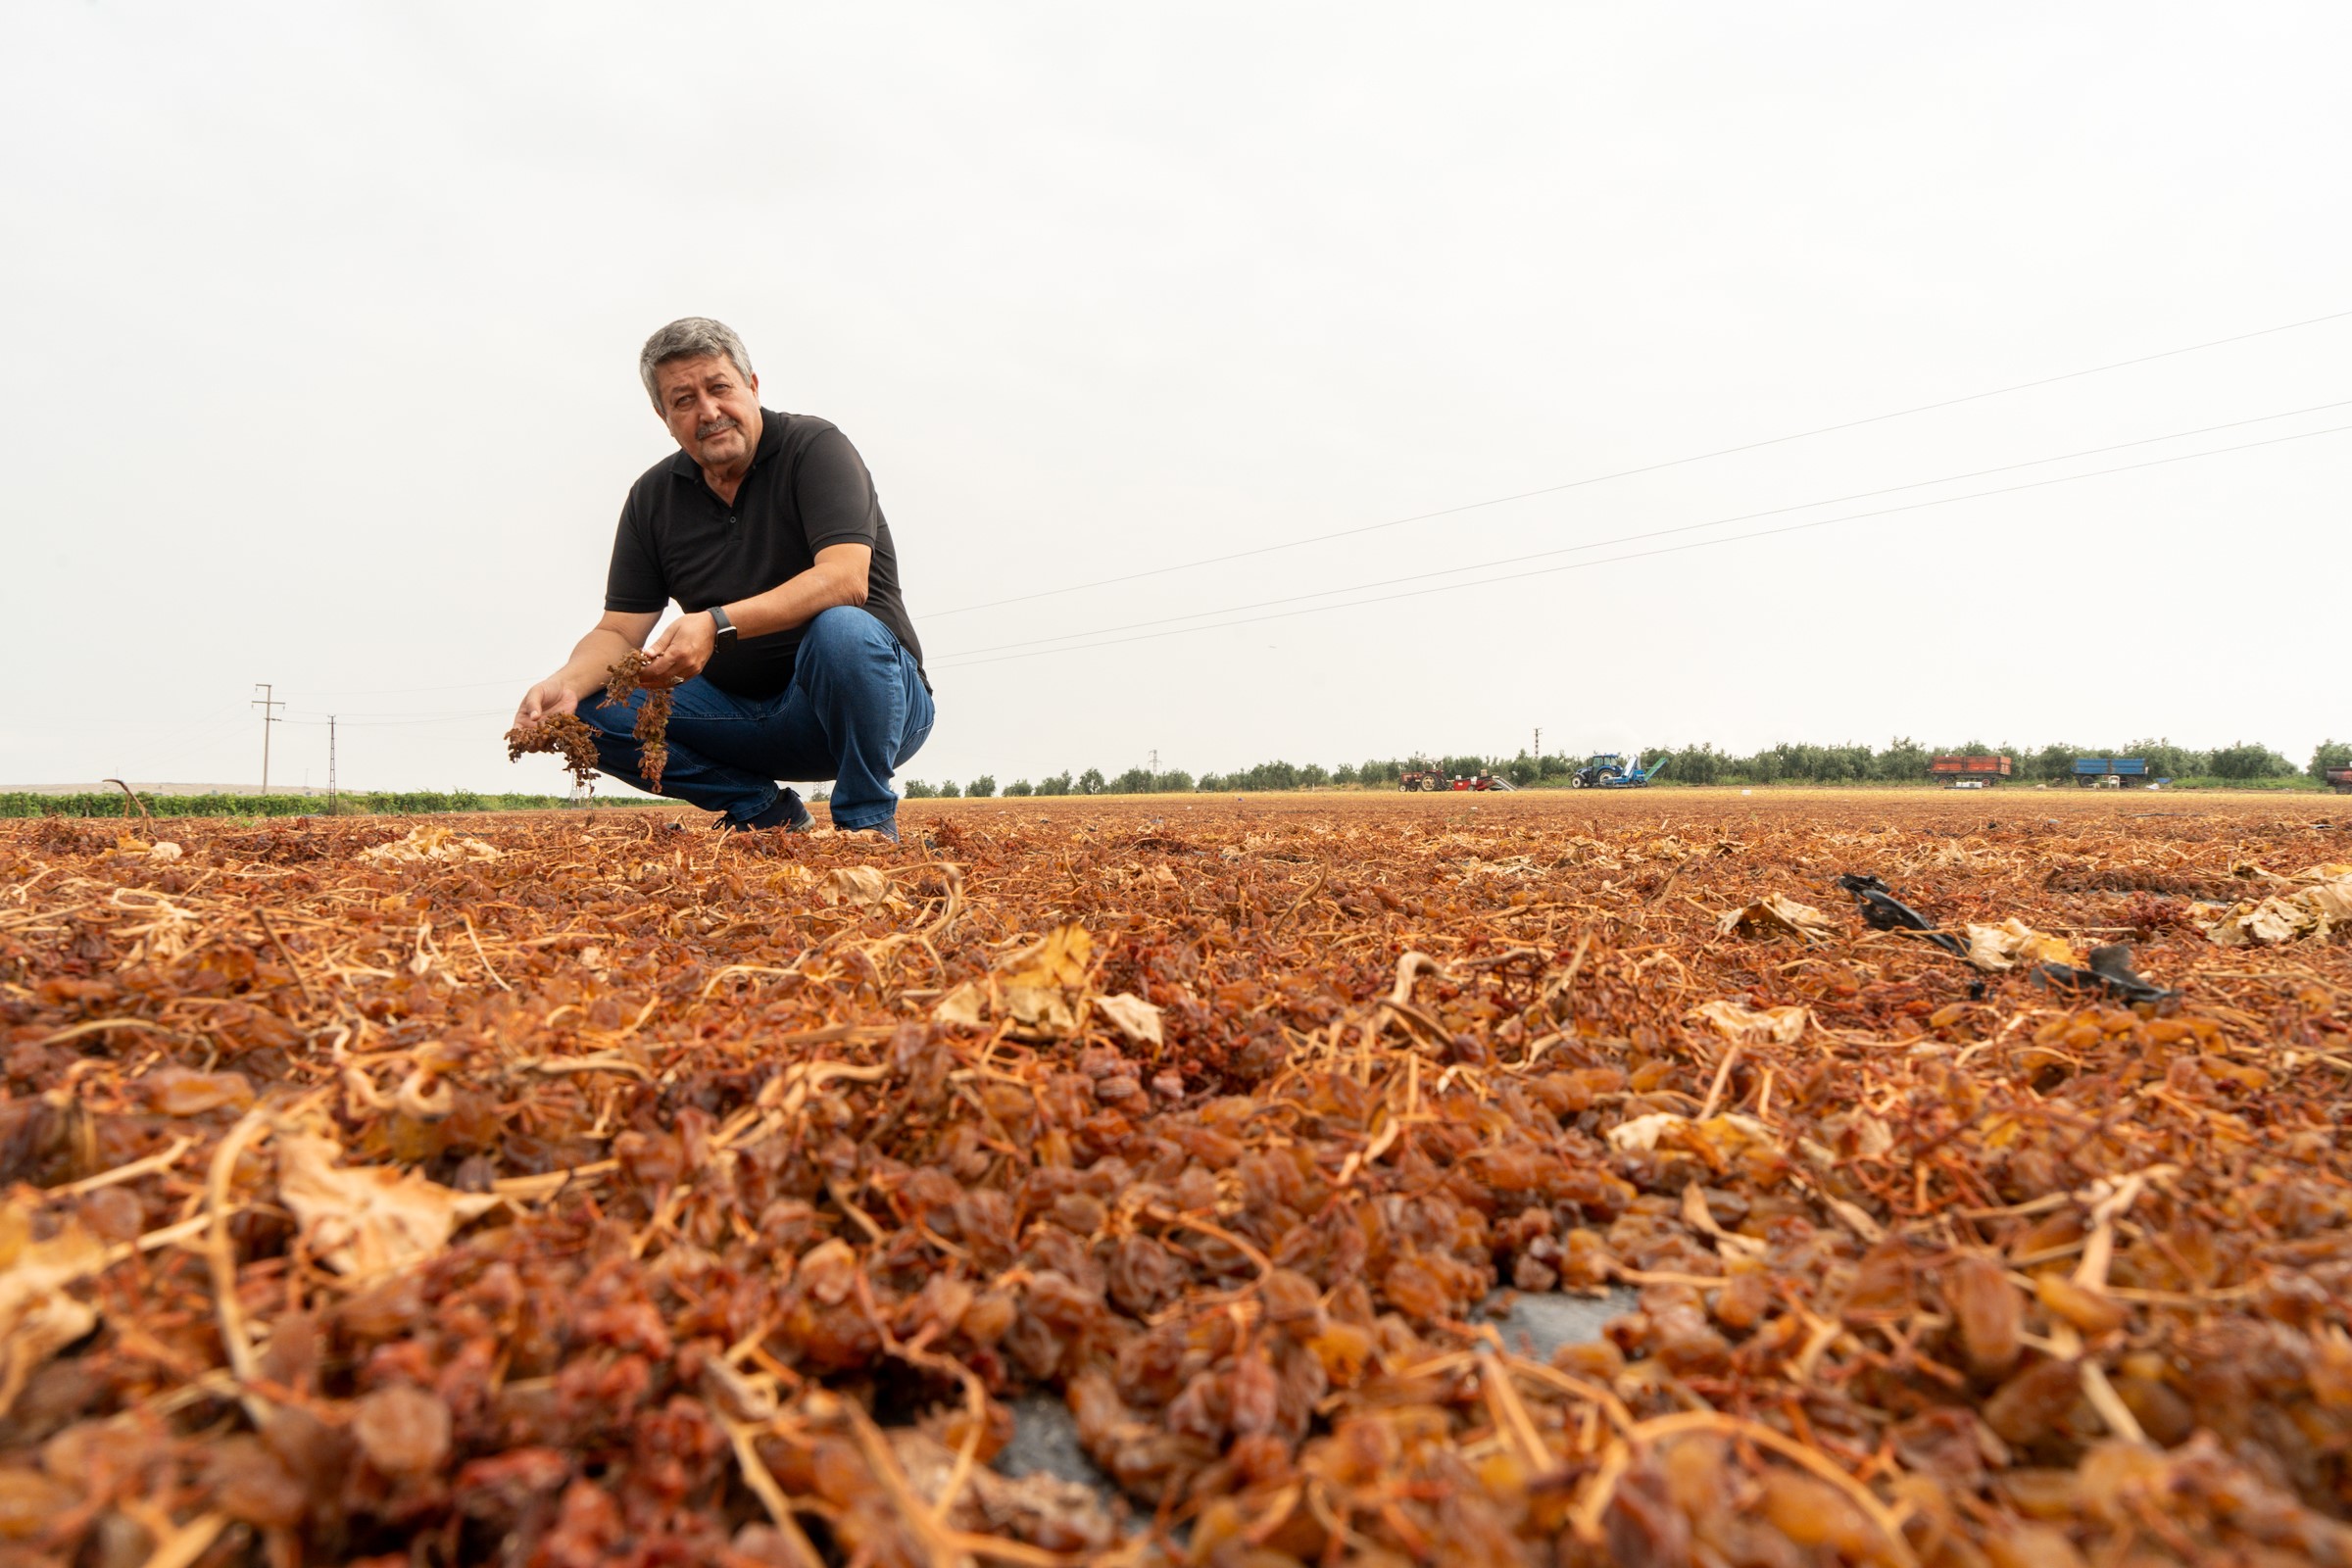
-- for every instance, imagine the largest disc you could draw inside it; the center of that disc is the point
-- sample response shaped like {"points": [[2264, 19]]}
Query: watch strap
{"points": [[719, 618]]}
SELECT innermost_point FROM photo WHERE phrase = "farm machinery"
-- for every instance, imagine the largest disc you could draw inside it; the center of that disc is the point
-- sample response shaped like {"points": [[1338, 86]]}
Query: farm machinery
{"points": [[2110, 772], [1434, 778], [1972, 771], [1609, 771]]}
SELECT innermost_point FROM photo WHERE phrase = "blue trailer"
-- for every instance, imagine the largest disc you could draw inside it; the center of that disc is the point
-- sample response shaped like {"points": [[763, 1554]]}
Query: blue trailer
{"points": [[2110, 772]]}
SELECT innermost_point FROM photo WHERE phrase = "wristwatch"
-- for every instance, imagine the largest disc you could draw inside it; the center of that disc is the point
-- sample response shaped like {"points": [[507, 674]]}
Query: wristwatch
{"points": [[726, 627]]}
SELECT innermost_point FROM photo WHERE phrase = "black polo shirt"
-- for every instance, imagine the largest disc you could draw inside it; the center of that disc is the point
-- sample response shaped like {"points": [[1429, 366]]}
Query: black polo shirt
{"points": [[807, 489]]}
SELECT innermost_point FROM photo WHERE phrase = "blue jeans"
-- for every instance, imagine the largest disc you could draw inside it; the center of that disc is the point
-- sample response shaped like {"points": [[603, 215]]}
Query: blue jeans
{"points": [[855, 711]]}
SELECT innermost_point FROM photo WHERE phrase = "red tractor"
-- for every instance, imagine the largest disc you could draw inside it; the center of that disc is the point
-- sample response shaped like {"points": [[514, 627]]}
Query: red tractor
{"points": [[1437, 778]]}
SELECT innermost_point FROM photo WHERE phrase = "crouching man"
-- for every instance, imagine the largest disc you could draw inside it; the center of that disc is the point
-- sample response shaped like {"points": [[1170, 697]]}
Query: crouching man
{"points": [[795, 658]]}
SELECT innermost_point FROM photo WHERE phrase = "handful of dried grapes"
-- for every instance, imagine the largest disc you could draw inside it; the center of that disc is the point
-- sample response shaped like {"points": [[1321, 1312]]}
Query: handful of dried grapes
{"points": [[566, 733], [653, 719]]}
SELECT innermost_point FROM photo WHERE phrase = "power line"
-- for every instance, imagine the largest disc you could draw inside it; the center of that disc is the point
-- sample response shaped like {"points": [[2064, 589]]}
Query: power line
{"points": [[198, 742], [401, 721], [209, 721], [1655, 533], [1665, 550], [1628, 473], [402, 691]]}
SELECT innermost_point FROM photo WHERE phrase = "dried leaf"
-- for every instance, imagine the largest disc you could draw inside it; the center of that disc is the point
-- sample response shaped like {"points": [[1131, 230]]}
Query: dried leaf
{"points": [[1773, 912], [963, 1006], [1724, 1134], [1779, 1026], [1994, 948], [433, 841], [1044, 988], [366, 1220], [37, 1318], [1135, 1018], [861, 886], [1643, 1132], [2311, 911]]}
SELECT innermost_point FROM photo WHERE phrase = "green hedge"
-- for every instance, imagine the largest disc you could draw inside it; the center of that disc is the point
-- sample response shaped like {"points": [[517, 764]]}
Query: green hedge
{"points": [[405, 803]]}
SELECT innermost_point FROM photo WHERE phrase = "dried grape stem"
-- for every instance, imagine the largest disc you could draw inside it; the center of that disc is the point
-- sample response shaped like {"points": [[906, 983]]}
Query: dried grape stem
{"points": [[278, 942], [160, 1159], [135, 801], [1877, 1513], [221, 1255], [762, 1483], [187, 1542]]}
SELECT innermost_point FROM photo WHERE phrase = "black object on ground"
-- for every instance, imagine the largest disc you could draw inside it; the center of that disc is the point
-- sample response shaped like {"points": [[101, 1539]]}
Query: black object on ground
{"points": [[1884, 911], [2110, 968]]}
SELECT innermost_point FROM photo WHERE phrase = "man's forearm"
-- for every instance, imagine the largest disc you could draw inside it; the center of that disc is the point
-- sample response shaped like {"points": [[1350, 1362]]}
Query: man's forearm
{"points": [[799, 601], [584, 671]]}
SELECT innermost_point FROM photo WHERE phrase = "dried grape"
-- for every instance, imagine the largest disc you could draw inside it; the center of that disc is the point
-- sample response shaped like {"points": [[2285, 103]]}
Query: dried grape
{"points": [[565, 733], [651, 729], [1990, 1312], [401, 1430], [606, 1192]]}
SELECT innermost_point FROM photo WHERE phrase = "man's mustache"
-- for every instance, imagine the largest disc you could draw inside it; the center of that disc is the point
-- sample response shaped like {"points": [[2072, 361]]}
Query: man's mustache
{"points": [[704, 432]]}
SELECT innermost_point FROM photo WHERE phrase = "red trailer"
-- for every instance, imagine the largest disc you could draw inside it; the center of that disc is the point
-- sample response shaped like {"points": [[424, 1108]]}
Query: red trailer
{"points": [[1968, 772]]}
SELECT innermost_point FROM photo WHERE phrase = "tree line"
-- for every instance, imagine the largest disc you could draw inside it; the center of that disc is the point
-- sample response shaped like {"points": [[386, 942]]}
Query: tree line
{"points": [[1901, 760]]}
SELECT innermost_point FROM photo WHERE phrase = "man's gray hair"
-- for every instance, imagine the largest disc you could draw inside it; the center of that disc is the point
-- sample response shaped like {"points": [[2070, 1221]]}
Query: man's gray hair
{"points": [[690, 337]]}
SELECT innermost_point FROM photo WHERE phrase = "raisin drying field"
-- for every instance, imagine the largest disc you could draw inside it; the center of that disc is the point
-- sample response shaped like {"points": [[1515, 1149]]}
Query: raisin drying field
{"points": [[590, 1189]]}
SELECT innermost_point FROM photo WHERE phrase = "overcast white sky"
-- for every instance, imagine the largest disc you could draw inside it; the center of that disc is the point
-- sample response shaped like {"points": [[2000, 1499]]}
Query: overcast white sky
{"points": [[321, 324]]}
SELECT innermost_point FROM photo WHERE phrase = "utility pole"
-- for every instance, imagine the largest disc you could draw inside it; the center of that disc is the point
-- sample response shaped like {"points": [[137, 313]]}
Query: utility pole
{"points": [[330, 765], [268, 707], [1539, 748], [1155, 765]]}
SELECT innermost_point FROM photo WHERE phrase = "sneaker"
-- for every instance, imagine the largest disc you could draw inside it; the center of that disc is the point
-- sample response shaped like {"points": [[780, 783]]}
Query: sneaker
{"points": [[786, 811], [886, 829]]}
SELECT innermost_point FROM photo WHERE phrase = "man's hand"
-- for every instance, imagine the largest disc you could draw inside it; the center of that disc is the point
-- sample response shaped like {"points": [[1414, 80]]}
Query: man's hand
{"points": [[620, 632], [545, 699], [681, 652]]}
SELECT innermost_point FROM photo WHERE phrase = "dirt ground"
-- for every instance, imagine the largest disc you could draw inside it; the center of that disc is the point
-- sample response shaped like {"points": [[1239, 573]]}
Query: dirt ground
{"points": [[570, 1189]]}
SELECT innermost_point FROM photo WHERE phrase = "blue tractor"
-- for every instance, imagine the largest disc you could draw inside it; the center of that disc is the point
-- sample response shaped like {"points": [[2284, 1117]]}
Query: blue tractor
{"points": [[1610, 772]]}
